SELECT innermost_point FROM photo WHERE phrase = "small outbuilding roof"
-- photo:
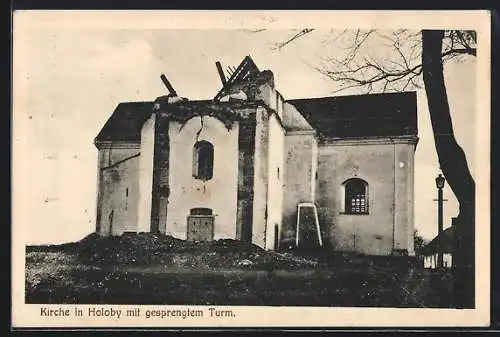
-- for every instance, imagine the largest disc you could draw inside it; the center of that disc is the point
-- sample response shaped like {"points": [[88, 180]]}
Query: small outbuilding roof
{"points": [[444, 241]]}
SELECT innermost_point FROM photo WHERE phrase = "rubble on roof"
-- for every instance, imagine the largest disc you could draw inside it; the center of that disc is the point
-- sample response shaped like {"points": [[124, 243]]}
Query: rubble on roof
{"points": [[341, 117], [239, 96]]}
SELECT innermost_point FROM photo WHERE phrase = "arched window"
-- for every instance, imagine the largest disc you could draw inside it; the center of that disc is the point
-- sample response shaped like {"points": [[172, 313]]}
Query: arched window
{"points": [[203, 160], [356, 196]]}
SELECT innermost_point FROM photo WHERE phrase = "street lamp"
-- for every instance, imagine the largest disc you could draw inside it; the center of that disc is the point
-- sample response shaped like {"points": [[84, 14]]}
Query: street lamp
{"points": [[440, 180]]}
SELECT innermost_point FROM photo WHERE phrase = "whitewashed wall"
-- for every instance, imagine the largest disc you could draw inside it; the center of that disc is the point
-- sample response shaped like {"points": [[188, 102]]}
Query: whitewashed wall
{"points": [[218, 193]]}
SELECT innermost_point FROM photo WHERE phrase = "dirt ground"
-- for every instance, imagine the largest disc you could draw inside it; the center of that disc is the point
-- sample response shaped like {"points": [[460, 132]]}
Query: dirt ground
{"points": [[156, 269]]}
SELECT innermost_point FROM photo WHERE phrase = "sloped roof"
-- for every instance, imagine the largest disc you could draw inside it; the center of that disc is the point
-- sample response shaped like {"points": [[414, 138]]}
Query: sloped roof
{"points": [[126, 122], [358, 116], [444, 241]]}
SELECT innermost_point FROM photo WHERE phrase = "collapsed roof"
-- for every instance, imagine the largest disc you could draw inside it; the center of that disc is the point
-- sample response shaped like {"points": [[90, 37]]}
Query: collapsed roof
{"points": [[355, 116]]}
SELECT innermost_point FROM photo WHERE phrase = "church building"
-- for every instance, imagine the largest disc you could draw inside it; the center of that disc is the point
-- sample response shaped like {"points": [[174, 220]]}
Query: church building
{"points": [[252, 165]]}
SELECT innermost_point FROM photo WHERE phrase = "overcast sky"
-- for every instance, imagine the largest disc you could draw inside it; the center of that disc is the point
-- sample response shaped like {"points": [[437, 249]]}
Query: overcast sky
{"points": [[72, 79]]}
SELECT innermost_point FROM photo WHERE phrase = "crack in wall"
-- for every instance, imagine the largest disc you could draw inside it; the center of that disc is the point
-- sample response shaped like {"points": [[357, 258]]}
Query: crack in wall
{"points": [[120, 161], [201, 128]]}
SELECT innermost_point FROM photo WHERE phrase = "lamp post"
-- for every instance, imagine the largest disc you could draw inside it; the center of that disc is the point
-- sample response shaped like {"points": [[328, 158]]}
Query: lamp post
{"points": [[440, 180]]}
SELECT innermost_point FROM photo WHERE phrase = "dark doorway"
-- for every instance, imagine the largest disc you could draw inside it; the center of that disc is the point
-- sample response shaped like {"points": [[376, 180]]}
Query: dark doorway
{"points": [[200, 225], [276, 236], [308, 232]]}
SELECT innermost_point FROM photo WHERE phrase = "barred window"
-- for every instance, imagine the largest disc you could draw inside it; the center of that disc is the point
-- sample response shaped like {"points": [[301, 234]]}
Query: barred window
{"points": [[356, 196], [203, 160]]}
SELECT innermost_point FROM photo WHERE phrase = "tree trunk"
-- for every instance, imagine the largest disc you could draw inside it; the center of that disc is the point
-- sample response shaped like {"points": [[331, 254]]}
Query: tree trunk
{"points": [[453, 164]]}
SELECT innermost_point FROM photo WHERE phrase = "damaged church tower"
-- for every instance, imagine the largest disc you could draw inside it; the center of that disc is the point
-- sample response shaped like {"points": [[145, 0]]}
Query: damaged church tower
{"points": [[237, 166]]}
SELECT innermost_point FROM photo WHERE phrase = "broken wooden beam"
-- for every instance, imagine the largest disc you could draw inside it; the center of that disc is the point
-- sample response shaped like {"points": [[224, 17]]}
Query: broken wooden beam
{"points": [[169, 86], [221, 73]]}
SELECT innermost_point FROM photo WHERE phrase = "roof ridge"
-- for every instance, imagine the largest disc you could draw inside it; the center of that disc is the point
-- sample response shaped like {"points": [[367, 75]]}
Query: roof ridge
{"points": [[367, 115], [135, 102], [354, 95]]}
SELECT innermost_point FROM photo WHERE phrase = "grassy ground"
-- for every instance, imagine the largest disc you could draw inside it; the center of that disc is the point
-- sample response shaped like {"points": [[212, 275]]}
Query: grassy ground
{"points": [[149, 269]]}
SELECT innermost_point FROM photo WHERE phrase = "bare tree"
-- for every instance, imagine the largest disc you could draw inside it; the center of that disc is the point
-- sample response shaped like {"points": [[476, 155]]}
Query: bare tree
{"points": [[398, 68], [415, 57]]}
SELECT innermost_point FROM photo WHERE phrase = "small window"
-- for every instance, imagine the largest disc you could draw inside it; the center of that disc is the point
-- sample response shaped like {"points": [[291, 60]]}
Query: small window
{"points": [[203, 160], [356, 200]]}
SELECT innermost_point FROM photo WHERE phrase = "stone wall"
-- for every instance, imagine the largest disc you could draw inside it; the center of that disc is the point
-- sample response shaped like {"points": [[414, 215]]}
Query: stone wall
{"points": [[260, 210], [275, 182], [246, 157], [404, 196], [118, 189], [161, 163], [187, 192], [389, 221], [146, 165], [300, 152]]}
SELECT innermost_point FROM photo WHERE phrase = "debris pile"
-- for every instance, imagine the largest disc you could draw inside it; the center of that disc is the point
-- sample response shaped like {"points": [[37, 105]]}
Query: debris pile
{"points": [[157, 249]]}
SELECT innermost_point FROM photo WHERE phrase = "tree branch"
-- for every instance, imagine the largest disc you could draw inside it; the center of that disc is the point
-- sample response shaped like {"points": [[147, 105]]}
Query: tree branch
{"points": [[469, 51], [357, 68], [293, 38]]}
